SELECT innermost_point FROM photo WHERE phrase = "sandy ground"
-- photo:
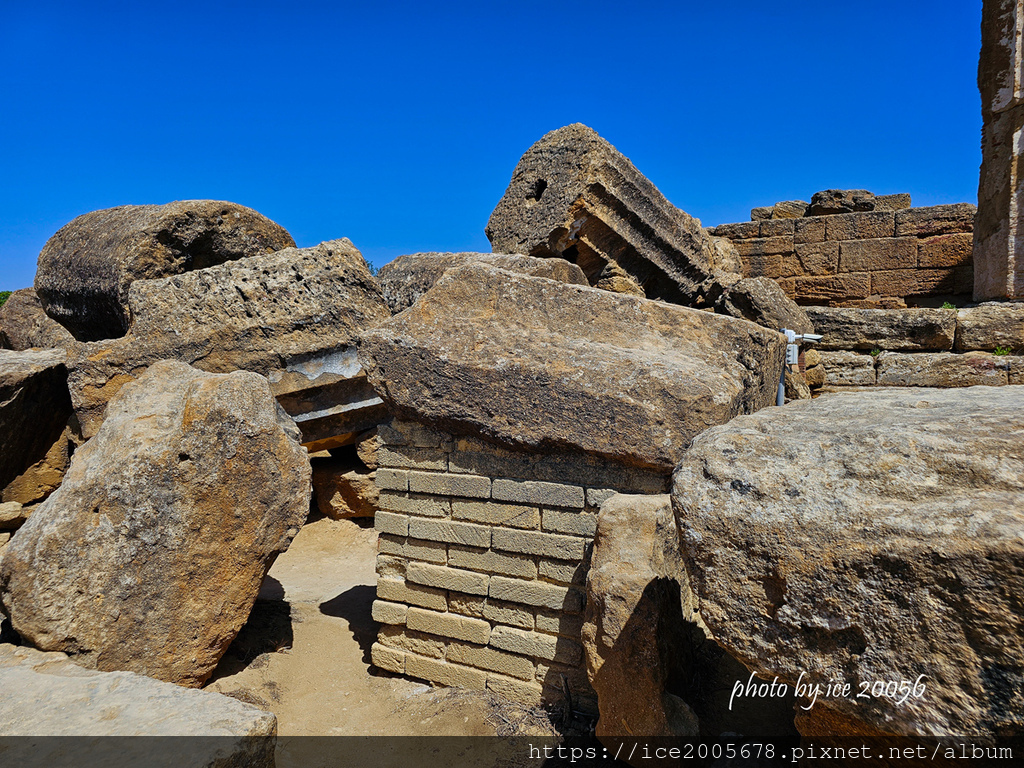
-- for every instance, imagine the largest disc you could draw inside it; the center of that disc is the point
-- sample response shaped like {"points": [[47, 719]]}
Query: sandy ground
{"points": [[305, 656]]}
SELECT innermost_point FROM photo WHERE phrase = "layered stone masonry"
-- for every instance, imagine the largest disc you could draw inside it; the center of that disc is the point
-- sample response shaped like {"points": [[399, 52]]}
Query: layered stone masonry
{"points": [[850, 258], [921, 347], [482, 564]]}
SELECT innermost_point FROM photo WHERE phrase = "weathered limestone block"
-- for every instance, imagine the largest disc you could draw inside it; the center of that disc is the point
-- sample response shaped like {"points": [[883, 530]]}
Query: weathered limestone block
{"points": [[547, 365], [45, 476], [935, 220], [25, 325], [744, 230], [408, 277], [848, 369], [46, 695], [34, 408], [13, 515], [638, 595], [85, 269], [292, 316], [860, 226], [832, 201], [149, 556], [945, 251], [1016, 366], [818, 258], [827, 289], [878, 254], [344, 488], [810, 229], [941, 369], [920, 282], [889, 329], [725, 257], [617, 280], [896, 202], [870, 536], [762, 301], [991, 325]]}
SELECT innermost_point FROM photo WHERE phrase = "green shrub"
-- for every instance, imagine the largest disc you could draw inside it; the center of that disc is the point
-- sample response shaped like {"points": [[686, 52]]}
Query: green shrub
{"points": [[1001, 351], [876, 352], [4, 295], [947, 305]]}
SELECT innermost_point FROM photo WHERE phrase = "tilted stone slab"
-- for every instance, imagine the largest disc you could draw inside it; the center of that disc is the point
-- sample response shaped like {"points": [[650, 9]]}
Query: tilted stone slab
{"points": [[86, 268], [408, 277], [870, 536], [887, 329], [542, 364], [992, 325], [24, 324]]}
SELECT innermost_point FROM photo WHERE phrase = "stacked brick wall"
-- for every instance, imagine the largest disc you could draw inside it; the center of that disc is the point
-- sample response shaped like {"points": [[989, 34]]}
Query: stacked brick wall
{"points": [[854, 258], [482, 563]]}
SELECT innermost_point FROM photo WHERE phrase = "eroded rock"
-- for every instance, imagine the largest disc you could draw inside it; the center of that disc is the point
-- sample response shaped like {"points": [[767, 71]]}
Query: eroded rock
{"points": [[25, 325], [884, 329], [344, 488]]}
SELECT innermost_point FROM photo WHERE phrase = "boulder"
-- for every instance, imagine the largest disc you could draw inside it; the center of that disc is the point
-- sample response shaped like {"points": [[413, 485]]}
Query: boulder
{"points": [[25, 325], [548, 365], [12, 515], [45, 476], [149, 556], [408, 277], [47, 696], [897, 330], [292, 316], [85, 270], [991, 325], [617, 280], [870, 536], [761, 300], [34, 408], [832, 201], [344, 488]]}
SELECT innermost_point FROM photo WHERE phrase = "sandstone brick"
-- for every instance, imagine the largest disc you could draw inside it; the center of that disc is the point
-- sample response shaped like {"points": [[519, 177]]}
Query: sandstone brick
{"points": [[414, 504], [491, 659], [776, 228], [913, 282], [818, 258], [765, 246], [488, 561], [878, 254], [447, 484], [491, 462], [467, 605], [848, 369], [575, 523], [860, 226], [508, 613], [414, 434], [390, 567], [394, 636], [445, 673], [743, 230], [945, 251], [397, 591], [536, 593], [388, 613], [557, 623], [536, 645], [413, 549], [454, 533], [528, 694], [822, 290], [1016, 369], [389, 522], [597, 496], [941, 369], [788, 286], [809, 230], [404, 457], [761, 265], [444, 577], [567, 572], [936, 220], [390, 545], [388, 659], [899, 201], [534, 543], [535, 492], [449, 625], [991, 325], [392, 479], [494, 513], [556, 676]]}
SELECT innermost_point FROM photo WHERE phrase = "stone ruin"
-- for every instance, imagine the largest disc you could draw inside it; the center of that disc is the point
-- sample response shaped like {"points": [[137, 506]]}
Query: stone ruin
{"points": [[584, 501]]}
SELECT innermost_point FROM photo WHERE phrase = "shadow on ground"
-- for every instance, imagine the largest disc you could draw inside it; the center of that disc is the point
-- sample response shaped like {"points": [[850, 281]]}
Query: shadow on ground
{"points": [[355, 606]]}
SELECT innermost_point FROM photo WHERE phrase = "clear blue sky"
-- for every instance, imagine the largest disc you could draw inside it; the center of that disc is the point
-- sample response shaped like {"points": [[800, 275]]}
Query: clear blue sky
{"points": [[398, 124]]}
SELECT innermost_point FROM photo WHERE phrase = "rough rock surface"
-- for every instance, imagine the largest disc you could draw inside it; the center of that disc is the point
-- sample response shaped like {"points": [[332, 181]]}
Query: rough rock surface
{"points": [[832, 201], [45, 476], [848, 369], [85, 270], [292, 316], [761, 300], [367, 445], [941, 369], [344, 488], [991, 325], [149, 556], [636, 593], [870, 536], [408, 277], [34, 408], [548, 365], [887, 329], [25, 325]]}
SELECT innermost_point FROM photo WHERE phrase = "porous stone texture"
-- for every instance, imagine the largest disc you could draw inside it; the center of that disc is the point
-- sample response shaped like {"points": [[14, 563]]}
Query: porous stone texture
{"points": [[998, 247], [991, 326], [483, 561], [25, 325], [86, 268], [408, 277], [941, 369], [344, 488], [149, 556], [41, 479], [903, 330], [637, 595], [825, 540], [832, 201], [293, 316], [547, 365], [786, 209], [848, 369], [762, 301], [34, 408]]}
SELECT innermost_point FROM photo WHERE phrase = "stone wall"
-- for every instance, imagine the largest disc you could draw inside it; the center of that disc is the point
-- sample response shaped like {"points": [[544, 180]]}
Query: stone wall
{"points": [[483, 558], [920, 347], [866, 258]]}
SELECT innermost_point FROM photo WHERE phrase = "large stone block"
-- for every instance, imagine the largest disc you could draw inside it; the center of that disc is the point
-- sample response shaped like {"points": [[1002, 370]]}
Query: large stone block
{"points": [[149, 556], [914, 282], [942, 369], [848, 369], [870, 536], [827, 289], [935, 220], [945, 251], [24, 324], [989, 326], [891, 329], [546, 365], [860, 226], [86, 269], [878, 254]]}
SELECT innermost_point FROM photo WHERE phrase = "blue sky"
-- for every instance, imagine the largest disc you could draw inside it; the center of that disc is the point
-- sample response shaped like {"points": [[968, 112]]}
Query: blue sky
{"points": [[398, 124]]}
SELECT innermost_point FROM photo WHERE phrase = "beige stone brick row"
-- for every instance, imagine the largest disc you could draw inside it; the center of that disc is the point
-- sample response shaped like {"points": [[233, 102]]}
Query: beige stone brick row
{"points": [[551, 545], [399, 591], [489, 561], [446, 577], [411, 641], [878, 254], [449, 484], [491, 659], [537, 645], [539, 492], [566, 572], [529, 694], [449, 625], [942, 369], [445, 673], [495, 611], [467, 534], [860, 226], [389, 522], [421, 504], [574, 523], [413, 549], [496, 513], [391, 479], [388, 659], [390, 567], [558, 623], [407, 457], [536, 593], [384, 612], [848, 369]]}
